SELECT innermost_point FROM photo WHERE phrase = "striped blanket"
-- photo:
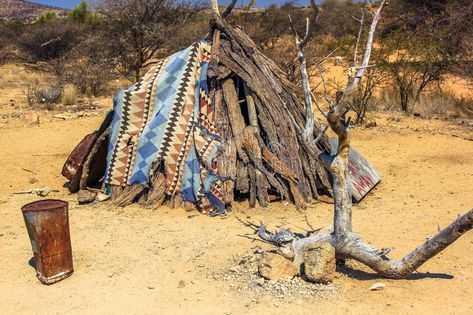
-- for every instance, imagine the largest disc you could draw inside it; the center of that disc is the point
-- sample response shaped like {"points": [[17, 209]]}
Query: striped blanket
{"points": [[167, 117]]}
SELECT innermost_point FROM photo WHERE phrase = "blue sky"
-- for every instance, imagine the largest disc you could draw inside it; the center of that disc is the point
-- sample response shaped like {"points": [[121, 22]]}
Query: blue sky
{"points": [[72, 3]]}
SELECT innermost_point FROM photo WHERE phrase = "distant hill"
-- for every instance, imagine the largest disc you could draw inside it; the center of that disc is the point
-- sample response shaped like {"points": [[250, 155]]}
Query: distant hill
{"points": [[24, 10]]}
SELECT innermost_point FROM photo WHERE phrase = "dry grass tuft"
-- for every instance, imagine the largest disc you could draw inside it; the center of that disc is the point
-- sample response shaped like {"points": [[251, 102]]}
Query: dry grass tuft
{"points": [[69, 95]]}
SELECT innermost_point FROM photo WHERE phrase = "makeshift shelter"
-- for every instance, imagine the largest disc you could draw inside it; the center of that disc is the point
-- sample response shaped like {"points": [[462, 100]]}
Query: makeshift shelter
{"points": [[215, 122]]}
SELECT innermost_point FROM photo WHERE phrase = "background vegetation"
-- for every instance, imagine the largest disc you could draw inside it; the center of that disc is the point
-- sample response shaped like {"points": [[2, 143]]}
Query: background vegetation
{"points": [[422, 46]]}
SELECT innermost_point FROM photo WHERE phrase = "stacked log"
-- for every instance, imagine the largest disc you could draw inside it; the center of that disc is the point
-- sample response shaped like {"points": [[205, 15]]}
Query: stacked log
{"points": [[261, 118]]}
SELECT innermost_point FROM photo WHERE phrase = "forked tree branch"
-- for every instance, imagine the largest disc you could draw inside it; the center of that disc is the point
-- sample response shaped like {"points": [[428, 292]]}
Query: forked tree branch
{"points": [[360, 32], [352, 247], [347, 244], [229, 9], [358, 72], [399, 269], [310, 24], [300, 43]]}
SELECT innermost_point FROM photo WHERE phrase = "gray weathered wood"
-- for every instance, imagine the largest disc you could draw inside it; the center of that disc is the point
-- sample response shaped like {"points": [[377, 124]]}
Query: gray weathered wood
{"points": [[363, 175]]}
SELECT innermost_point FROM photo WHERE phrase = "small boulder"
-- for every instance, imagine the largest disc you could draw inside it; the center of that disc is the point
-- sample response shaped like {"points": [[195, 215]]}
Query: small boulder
{"points": [[378, 286], [275, 267], [102, 197], [319, 262], [256, 283], [86, 196], [31, 118]]}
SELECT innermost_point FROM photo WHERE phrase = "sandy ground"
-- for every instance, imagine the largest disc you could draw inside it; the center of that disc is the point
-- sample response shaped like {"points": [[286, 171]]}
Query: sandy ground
{"points": [[142, 261]]}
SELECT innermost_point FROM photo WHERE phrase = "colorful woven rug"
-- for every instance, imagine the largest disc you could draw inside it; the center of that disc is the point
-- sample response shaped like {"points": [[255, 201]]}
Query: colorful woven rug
{"points": [[167, 117]]}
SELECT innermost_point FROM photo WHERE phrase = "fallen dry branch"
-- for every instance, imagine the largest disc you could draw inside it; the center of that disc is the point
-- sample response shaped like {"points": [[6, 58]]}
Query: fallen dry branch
{"points": [[398, 269]]}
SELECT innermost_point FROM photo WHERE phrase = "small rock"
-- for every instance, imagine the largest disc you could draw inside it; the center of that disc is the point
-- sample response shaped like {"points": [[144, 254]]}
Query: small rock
{"points": [[65, 116], [320, 262], [86, 196], [150, 287], [31, 119], [61, 116], [256, 283], [274, 267], [181, 284], [102, 197], [378, 286]]}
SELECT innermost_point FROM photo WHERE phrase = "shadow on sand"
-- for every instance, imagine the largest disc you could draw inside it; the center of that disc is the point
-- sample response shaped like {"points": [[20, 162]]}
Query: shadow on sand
{"points": [[363, 275]]}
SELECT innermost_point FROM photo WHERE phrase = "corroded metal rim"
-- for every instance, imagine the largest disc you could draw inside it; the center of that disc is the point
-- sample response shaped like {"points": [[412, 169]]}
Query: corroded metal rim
{"points": [[44, 205], [56, 278]]}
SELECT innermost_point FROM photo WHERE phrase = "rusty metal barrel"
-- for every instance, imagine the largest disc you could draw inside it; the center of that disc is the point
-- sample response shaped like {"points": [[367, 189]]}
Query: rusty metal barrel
{"points": [[47, 222]]}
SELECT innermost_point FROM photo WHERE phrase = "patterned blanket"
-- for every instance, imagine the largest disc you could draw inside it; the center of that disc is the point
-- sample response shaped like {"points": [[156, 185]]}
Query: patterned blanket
{"points": [[167, 117]]}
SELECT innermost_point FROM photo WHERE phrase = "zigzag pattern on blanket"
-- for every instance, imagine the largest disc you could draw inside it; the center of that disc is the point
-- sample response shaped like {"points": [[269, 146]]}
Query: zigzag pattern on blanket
{"points": [[167, 117]]}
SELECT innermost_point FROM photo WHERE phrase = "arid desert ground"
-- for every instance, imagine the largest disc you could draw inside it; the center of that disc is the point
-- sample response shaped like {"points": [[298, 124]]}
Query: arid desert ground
{"points": [[135, 260]]}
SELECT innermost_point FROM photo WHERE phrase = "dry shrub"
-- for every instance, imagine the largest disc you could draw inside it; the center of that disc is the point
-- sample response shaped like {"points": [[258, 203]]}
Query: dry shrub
{"points": [[37, 88], [31, 83], [69, 95], [443, 104], [434, 104], [388, 100], [8, 78], [48, 41], [464, 105]]}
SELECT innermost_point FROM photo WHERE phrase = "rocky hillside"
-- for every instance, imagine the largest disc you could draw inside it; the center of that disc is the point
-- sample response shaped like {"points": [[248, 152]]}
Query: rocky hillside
{"points": [[24, 10]]}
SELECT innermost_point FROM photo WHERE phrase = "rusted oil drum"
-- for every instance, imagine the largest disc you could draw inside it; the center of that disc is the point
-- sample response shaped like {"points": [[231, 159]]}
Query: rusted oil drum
{"points": [[47, 222]]}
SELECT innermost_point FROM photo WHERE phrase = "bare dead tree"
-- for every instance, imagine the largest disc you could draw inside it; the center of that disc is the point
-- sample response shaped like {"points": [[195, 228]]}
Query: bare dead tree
{"points": [[300, 43], [346, 242], [138, 30]]}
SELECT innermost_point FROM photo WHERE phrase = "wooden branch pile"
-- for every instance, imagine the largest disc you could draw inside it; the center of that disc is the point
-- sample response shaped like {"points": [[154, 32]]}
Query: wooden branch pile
{"points": [[262, 122]]}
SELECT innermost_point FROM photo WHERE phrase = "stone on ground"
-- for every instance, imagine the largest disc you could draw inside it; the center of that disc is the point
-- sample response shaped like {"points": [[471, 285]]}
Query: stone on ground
{"points": [[319, 262], [275, 267]]}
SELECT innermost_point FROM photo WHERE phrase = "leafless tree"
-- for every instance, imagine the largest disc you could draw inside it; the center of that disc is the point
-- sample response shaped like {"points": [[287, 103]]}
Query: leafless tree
{"points": [[48, 41], [138, 29], [346, 242]]}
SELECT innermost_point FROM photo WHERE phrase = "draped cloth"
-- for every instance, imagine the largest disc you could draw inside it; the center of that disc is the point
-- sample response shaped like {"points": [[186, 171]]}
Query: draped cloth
{"points": [[167, 118]]}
